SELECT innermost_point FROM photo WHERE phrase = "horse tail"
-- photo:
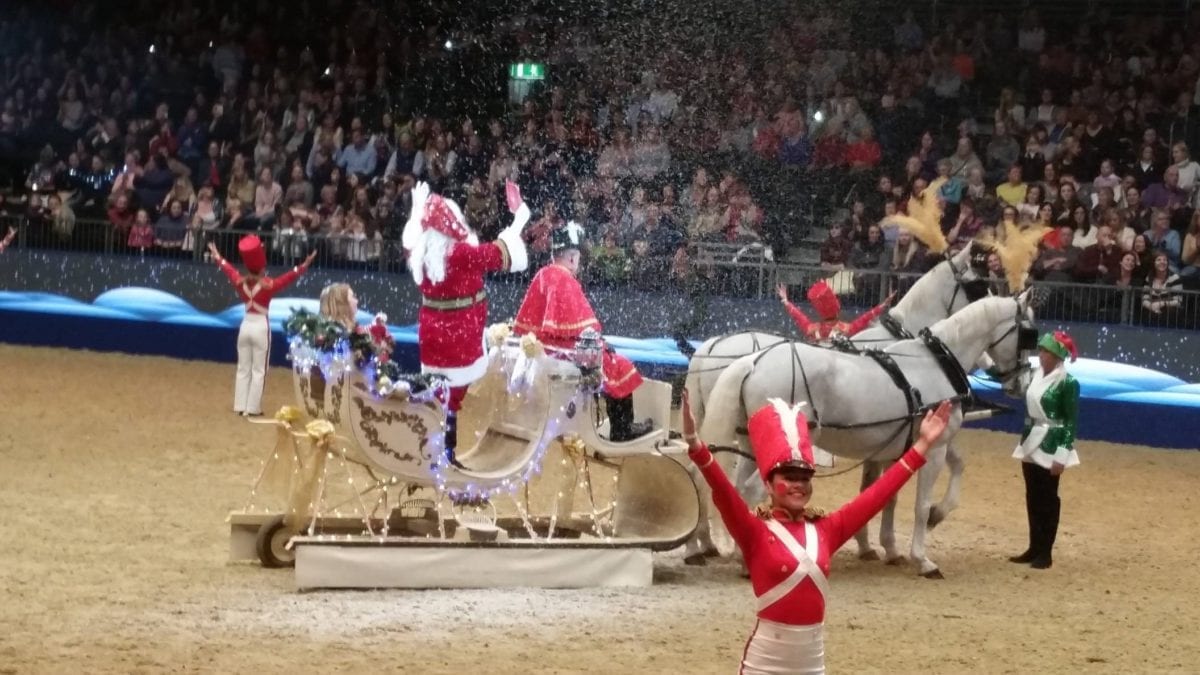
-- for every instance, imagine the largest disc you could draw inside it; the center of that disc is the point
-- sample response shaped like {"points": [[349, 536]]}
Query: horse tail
{"points": [[725, 402]]}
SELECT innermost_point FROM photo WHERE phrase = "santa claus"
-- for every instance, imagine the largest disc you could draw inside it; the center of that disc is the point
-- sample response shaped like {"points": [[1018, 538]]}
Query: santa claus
{"points": [[448, 263]]}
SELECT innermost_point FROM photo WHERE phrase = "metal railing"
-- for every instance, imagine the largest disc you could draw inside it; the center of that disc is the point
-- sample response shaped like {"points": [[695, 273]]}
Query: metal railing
{"points": [[720, 269]]}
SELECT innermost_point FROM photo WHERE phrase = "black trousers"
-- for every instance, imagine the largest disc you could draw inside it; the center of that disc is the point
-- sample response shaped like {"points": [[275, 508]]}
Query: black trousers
{"points": [[1042, 507]]}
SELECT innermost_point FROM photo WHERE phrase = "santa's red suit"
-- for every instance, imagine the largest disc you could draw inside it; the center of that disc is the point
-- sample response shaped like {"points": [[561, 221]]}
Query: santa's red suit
{"points": [[789, 559], [556, 311], [448, 262], [825, 302], [254, 336]]}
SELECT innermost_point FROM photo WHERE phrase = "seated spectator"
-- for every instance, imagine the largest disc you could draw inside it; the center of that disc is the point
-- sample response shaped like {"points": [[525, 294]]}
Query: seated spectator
{"points": [[154, 183], [1187, 169], [171, 228], [240, 183], [608, 261], [1085, 233], [742, 219], [141, 234], [997, 279], [1146, 170], [1161, 238], [120, 216], [1002, 153], [966, 226], [1189, 259], [1145, 254], [268, 196], [1029, 209], [964, 159], [616, 159], [795, 148], [707, 222], [1014, 190], [1107, 178], [1167, 194], [1064, 205], [864, 154], [1125, 275], [1099, 261], [1162, 299], [651, 156], [835, 250], [1058, 257]]}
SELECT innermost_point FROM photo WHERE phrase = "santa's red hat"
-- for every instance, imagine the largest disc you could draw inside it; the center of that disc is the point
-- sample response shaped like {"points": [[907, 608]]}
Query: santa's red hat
{"points": [[779, 437], [824, 300], [254, 256], [442, 215]]}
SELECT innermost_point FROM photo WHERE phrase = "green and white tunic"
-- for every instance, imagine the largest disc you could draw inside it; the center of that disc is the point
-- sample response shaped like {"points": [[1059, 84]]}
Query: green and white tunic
{"points": [[1052, 410]]}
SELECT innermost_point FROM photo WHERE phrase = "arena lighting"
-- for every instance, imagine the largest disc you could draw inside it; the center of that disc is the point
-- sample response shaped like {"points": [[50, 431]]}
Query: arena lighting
{"points": [[527, 71], [818, 116], [449, 45], [151, 49]]}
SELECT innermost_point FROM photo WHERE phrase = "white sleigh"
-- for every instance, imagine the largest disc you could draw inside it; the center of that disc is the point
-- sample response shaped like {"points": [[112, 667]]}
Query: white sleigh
{"points": [[634, 493]]}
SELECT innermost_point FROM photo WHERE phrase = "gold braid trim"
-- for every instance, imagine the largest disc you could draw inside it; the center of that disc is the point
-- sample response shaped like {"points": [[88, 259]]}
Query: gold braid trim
{"points": [[765, 511]]}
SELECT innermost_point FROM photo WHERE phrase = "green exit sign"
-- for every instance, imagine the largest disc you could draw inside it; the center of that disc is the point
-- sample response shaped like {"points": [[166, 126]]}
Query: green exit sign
{"points": [[527, 71]]}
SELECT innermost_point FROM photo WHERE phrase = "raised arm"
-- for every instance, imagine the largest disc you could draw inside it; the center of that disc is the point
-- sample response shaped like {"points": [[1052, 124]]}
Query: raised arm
{"points": [[861, 323], [736, 515], [289, 277], [230, 271], [798, 316], [412, 229], [843, 523]]}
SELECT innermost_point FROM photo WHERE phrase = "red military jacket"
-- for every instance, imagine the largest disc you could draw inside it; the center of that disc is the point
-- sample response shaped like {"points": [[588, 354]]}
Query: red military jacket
{"points": [[768, 558], [257, 296], [823, 330]]}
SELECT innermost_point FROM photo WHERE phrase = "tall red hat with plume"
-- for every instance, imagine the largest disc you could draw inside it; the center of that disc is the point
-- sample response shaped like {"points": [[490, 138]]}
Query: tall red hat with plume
{"points": [[824, 300], [254, 256], [779, 437]]}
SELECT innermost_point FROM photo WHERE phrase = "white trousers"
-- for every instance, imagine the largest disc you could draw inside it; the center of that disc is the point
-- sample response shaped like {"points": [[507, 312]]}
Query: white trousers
{"points": [[778, 648], [254, 349]]}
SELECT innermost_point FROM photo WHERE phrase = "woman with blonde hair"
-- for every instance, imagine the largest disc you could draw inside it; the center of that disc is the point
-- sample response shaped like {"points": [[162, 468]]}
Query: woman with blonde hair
{"points": [[339, 303]]}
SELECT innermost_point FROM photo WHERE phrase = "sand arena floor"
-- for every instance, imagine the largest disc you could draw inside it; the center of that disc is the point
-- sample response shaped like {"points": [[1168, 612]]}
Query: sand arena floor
{"points": [[118, 471]]}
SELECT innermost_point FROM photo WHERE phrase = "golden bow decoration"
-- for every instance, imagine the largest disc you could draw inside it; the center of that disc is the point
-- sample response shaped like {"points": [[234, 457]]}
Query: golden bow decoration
{"points": [[304, 495], [277, 470], [287, 414], [497, 333], [531, 346]]}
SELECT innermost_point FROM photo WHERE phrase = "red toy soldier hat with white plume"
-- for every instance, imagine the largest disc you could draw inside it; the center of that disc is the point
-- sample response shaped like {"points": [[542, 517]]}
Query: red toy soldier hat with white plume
{"points": [[254, 257], [824, 301], [443, 215], [779, 437]]}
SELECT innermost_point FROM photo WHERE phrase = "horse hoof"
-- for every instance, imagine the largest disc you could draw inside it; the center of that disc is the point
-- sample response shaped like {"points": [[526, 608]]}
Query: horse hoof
{"points": [[711, 553], [935, 517], [896, 561], [869, 554], [934, 574], [696, 560]]}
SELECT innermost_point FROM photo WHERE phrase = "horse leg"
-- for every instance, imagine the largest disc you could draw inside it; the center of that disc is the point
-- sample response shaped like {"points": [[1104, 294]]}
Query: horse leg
{"points": [[870, 474], [926, 478], [955, 462], [887, 533], [701, 540]]}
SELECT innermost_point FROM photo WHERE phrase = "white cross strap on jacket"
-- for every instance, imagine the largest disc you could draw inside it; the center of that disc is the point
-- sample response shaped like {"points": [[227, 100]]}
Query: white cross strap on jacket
{"points": [[252, 305], [806, 564]]}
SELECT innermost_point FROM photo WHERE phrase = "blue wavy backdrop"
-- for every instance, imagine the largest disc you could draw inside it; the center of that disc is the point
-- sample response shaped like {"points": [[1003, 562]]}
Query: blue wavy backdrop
{"points": [[1129, 403]]}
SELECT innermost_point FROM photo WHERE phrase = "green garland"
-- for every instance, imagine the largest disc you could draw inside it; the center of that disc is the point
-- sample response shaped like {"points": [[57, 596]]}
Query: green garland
{"points": [[324, 334]]}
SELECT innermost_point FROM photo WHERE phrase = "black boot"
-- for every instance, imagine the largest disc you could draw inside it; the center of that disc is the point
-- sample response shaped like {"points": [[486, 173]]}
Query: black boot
{"points": [[451, 440], [620, 418]]}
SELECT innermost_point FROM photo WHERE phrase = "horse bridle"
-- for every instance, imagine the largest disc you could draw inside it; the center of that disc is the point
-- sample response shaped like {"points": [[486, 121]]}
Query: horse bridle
{"points": [[973, 290], [1027, 337]]}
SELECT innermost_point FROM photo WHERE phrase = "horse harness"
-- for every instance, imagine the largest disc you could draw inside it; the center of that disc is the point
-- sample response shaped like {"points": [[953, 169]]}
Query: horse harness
{"points": [[942, 356]]}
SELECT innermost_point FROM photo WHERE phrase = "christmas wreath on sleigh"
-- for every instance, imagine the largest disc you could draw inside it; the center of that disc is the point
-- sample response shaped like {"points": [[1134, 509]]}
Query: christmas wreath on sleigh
{"points": [[315, 340]]}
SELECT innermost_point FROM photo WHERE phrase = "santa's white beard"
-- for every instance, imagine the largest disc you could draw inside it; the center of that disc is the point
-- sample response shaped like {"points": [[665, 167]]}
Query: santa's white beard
{"points": [[428, 258]]}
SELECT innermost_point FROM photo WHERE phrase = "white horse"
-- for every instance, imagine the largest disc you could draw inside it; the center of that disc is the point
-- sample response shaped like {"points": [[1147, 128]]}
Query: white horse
{"points": [[936, 295], [846, 394]]}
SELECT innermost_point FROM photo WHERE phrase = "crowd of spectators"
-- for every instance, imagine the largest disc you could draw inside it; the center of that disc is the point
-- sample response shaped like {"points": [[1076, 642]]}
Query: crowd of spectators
{"points": [[654, 136]]}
